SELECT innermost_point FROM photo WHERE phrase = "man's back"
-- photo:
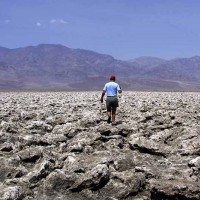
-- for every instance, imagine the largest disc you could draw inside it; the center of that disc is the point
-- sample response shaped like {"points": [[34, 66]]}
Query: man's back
{"points": [[111, 88]]}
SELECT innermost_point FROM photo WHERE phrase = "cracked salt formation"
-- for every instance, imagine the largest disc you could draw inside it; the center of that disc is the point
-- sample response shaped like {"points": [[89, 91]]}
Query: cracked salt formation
{"points": [[58, 145]]}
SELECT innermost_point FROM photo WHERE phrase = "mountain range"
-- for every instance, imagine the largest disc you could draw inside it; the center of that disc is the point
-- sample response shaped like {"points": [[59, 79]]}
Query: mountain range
{"points": [[56, 67]]}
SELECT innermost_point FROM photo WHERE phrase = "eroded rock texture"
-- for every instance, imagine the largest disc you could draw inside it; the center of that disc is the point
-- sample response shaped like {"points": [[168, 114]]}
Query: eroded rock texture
{"points": [[57, 145]]}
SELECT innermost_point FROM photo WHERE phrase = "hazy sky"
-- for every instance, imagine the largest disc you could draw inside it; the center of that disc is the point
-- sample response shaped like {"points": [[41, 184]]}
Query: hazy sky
{"points": [[125, 29]]}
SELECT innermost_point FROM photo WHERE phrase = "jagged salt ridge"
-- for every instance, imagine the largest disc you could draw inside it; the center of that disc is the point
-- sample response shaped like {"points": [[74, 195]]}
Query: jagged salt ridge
{"points": [[57, 145]]}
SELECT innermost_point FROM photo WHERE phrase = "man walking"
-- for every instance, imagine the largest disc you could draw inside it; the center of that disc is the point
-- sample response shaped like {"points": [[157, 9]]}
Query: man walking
{"points": [[110, 89]]}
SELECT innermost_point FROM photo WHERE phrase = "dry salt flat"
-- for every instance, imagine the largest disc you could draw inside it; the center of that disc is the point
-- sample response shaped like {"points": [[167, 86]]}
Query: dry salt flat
{"points": [[57, 145]]}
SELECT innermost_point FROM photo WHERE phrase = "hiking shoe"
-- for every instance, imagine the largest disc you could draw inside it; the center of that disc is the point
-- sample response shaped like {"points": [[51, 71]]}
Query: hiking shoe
{"points": [[114, 123], [109, 120]]}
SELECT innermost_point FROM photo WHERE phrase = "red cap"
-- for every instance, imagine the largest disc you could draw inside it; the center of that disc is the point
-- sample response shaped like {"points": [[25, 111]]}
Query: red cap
{"points": [[112, 78]]}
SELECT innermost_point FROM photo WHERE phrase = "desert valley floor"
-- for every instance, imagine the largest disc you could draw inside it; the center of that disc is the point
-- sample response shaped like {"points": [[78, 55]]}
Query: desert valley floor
{"points": [[58, 145]]}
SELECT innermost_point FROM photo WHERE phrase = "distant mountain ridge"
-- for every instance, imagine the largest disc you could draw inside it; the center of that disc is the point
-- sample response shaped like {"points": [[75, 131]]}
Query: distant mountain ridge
{"points": [[49, 66]]}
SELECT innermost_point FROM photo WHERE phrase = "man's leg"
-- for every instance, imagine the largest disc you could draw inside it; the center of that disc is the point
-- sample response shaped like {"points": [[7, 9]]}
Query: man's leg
{"points": [[109, 117], [108, 111], [113, 114]]}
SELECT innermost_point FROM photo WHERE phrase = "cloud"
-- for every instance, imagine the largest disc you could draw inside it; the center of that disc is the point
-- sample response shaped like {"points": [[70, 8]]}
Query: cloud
{"points": [[7, 21], [58, 21], [52, 21], [61, 21], [38, 24]]}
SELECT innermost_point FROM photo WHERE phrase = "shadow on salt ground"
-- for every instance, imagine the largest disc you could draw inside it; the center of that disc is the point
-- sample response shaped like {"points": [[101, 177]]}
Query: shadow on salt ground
{"points": [[117, 122]]}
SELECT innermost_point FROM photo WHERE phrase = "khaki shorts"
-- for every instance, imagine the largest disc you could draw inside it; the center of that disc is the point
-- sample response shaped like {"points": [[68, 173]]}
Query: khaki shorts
{"points": [[111, 103]]}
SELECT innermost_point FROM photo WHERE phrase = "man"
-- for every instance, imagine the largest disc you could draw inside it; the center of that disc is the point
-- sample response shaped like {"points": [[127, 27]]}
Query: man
{"points": [[110, 89]]}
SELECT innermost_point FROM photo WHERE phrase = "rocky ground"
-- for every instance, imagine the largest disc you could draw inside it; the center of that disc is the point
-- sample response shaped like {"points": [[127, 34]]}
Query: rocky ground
{"points": [[57, 145]]}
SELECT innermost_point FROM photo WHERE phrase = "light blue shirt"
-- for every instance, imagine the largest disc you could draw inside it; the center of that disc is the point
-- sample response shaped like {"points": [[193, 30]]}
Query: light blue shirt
{"points": [[111, 88]]}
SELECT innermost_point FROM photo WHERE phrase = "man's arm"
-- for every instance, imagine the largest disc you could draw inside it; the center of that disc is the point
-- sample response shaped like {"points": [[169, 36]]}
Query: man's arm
{"points": [[102, 95], [120, 89]]}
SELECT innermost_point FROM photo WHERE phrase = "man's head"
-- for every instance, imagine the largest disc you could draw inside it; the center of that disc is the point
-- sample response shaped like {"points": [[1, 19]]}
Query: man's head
{"points": [[112, 78]]}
